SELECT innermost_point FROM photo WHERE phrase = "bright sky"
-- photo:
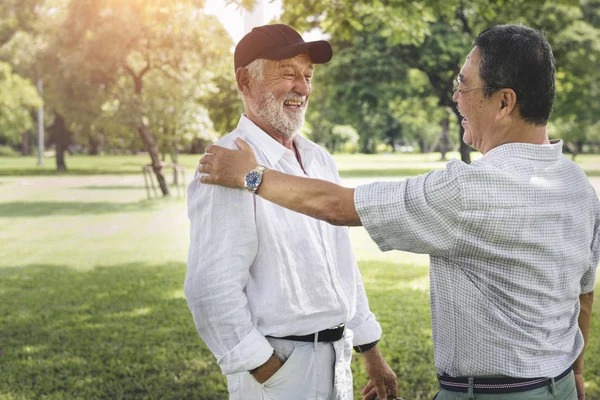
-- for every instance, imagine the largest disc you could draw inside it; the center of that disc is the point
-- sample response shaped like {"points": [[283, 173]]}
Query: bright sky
{"points": [[233, 18]]}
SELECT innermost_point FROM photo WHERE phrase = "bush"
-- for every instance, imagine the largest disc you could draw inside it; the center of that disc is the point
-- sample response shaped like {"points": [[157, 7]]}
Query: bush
{"points": [[7, 151]]}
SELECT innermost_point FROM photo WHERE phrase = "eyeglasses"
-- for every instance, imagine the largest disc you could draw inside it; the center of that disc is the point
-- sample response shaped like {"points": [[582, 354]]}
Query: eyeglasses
{"points": [[459, 90]]}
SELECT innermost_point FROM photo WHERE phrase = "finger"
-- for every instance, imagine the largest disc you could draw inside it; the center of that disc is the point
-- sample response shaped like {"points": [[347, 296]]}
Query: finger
{"points": [[368, 388], [392, 386], [205, 168], [242, 144], [214, 149], [207, 159], [208, 179], [370, 395], [381, 391]]}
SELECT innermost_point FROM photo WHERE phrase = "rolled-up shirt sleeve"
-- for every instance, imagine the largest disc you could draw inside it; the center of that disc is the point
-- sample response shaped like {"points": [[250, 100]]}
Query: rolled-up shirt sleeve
{"points": [[223, 245], [420, 214], [589, 277], [364, 325]]}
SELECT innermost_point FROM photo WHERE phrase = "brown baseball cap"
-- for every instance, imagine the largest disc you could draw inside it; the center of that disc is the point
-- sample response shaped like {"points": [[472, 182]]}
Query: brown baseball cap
{"points": [[278, 42]]}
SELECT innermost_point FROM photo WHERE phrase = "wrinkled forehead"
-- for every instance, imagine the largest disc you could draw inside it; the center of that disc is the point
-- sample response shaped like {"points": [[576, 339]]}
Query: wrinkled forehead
{"points": [[301, 62]]}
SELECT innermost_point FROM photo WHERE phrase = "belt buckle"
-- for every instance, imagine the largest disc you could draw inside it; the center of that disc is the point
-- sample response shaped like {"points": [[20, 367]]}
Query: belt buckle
{"points": [[336, 328]]}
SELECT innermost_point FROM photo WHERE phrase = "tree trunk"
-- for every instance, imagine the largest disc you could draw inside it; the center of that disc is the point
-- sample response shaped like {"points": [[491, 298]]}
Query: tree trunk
{"points": [[152, 149], [367, 145], [575, 149], [465, 150], [60, 157], [61, 136], [423, 146], [146, 135], [174, 157], [25, 149], [94, 144], [445, 124]]}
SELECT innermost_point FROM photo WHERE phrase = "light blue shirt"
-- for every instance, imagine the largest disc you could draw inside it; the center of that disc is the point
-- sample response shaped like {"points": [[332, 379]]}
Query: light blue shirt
{"points": [[513, 240]]}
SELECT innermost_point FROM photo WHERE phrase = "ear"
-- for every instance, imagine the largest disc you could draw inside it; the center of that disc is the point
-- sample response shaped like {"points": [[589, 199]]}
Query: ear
{"points": [[242, 78], [508, 101]]}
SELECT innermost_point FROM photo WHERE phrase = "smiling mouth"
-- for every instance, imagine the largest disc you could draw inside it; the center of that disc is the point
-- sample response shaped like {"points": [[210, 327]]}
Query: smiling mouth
{"points": [[464, 119], [294, 104]]}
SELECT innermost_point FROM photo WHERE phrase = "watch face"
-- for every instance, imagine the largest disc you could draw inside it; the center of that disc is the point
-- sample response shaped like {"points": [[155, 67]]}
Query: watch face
{"points": [[252, 179]]}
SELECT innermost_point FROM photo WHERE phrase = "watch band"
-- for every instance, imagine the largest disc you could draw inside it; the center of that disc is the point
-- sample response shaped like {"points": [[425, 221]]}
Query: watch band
{"points": [[365, 347]]}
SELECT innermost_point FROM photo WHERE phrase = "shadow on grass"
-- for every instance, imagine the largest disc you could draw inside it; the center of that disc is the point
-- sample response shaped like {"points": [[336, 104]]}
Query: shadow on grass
{"points": [[348, 173], [74, 172], [110, 333], [111, 187], [388, 275], [391, 172], [54, 208], [405, 172], [592, 173], [124, 332]]}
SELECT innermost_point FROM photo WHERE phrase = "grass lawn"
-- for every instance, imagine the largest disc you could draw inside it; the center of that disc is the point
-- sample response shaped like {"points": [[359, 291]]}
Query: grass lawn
{"points": [[91, 288], [350, 165]]}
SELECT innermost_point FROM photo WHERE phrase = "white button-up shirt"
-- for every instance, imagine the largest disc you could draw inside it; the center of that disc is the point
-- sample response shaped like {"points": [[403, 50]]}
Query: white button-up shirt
{"points": [[256, 269], [514, 239]]}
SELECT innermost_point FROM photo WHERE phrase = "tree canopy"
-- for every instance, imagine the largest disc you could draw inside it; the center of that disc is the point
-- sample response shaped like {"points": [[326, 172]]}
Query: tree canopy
{"points": [[156, 76]]}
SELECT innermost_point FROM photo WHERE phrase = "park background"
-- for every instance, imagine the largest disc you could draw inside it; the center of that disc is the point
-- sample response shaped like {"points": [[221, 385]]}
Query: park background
{"points": [[92, 263]]}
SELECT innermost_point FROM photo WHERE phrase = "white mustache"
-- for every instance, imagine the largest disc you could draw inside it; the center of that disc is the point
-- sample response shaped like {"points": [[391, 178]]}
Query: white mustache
{"points": [[294, 98]]}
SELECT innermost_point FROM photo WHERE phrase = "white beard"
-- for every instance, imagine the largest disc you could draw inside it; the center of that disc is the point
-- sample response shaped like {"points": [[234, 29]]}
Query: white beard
{"points": [[272, 112]]}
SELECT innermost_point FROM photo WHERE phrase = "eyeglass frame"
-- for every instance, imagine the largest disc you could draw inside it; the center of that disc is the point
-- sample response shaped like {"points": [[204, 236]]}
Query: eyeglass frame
{"points": [[456, 89]]}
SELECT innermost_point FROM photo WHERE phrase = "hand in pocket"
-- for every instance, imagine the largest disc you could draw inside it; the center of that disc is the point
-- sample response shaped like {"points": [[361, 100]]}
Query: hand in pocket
{"points": [[267, 370]]}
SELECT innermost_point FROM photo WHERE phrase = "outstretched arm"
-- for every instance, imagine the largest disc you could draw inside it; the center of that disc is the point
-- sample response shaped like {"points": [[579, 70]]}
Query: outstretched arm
{"points": [[313, 197]]}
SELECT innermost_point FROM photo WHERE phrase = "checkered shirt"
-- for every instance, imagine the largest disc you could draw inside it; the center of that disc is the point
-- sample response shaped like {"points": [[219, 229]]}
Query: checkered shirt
{"points": [[513, 241]]}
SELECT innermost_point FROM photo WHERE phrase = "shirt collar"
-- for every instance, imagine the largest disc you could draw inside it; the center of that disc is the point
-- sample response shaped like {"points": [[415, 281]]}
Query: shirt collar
{"points": [[272, 149], [531, 151]]}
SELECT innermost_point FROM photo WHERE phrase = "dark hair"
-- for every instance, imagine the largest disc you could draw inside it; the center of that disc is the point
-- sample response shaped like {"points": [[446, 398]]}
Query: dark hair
{"points": [[519, 58]]}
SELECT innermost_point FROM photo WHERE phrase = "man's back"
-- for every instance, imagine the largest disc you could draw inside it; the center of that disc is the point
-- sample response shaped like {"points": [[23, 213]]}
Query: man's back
{"points": [[513, 241], [523, 257]]}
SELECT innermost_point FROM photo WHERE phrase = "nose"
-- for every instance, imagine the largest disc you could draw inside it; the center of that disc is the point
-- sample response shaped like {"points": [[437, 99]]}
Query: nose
{"points": [[301, 86], [455, 96]]}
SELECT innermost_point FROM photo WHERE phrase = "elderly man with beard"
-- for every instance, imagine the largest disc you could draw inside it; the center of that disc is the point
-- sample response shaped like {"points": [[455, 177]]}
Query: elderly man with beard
{"points": [[277, 296]]}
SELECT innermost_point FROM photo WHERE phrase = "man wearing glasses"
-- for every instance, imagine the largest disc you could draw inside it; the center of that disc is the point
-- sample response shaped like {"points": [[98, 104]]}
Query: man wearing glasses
{"points": [[514, 237]]}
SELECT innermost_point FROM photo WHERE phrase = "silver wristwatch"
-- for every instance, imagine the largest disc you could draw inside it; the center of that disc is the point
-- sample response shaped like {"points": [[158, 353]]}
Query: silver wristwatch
{"points": [[253, 178]]}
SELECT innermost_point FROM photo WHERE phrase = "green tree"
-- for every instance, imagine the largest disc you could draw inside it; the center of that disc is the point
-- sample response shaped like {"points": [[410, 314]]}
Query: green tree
{"points": [[131, 54], [29, 26], [574, 33], [222, 101], [17, 97], [430, 36], [16, 16]]}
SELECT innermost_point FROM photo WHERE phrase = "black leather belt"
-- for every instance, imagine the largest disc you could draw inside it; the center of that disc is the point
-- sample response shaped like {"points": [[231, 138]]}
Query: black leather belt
{"points": [[326, 335], [496, 385]]}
